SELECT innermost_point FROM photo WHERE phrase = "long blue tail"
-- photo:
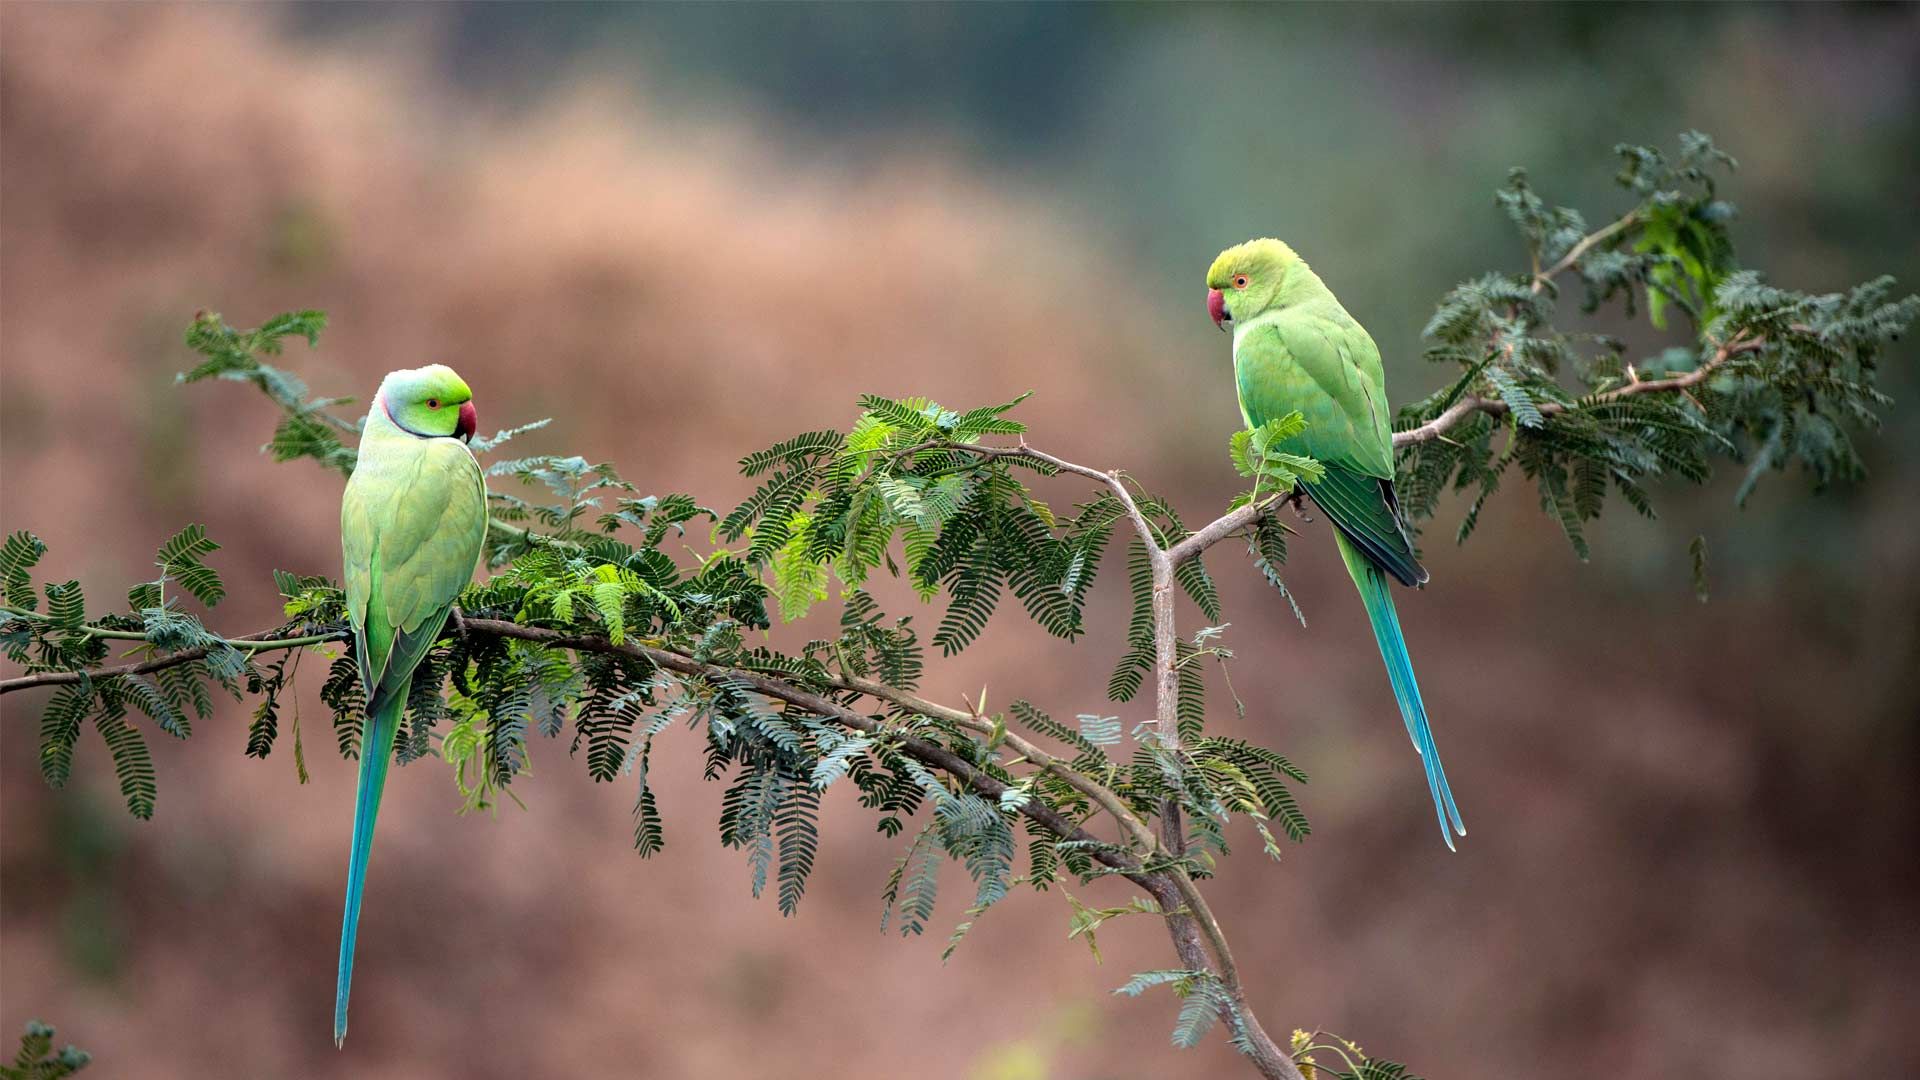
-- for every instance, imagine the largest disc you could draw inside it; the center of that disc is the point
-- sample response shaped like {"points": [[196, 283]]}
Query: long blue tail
{"points": [[376, 755], [1374, 591]]}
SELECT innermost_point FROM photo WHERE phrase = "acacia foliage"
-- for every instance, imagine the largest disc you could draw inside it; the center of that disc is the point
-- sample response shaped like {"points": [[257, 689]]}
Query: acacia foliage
{"points": [[1787, 375]]}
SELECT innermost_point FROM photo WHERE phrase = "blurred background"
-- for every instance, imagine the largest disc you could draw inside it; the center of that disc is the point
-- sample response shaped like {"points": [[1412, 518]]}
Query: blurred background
{"points": [[687, 231]]}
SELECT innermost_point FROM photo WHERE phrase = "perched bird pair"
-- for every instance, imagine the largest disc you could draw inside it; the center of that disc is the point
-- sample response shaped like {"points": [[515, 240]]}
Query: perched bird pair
{"points": [[414, 517]]}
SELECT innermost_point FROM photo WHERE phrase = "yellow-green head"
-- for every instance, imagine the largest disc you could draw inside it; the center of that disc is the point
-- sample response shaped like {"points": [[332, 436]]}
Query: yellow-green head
{"points": [[1247, 279], [431, 402]]}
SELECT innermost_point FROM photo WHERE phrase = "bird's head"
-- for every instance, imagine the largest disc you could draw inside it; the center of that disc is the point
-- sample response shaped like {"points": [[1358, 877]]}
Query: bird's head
{"points": [[1246, 279], [430, 401]]}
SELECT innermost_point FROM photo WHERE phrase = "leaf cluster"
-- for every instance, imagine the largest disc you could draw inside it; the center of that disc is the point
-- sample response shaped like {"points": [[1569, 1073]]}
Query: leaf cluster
{"points": [[36, 1059], [1765, 376], [63, 639], [1253, 454], [1204, 999], [307, 428], [909, 489]]}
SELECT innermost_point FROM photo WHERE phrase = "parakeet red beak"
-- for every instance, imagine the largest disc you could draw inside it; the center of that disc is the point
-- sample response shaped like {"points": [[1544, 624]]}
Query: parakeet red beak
{"points": [[1217, 307], [468, 423]]}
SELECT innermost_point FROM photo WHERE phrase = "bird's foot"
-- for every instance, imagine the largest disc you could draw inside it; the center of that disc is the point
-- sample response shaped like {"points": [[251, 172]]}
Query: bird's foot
{"points": [[1297, 499]]}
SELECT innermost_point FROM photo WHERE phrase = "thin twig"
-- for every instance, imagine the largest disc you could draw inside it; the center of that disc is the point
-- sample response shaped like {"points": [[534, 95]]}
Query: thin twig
{"points": [[1114, 480], [1541, 278], [248, 643], [260, 642]]}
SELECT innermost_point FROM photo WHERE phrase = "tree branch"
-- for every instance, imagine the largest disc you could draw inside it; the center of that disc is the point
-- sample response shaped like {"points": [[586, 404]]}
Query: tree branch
{"points": [[921, 750], [938, 737], [1187, 914], [252, 643], [1114, 480], [1473, 403], [1541, 279], [1219, 529], [1267, 1056], [1199, 921]]}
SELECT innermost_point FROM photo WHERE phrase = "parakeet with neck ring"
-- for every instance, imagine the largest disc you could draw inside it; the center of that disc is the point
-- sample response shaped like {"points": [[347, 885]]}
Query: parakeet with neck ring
{"points": [[413, 523], [1295, 348]]}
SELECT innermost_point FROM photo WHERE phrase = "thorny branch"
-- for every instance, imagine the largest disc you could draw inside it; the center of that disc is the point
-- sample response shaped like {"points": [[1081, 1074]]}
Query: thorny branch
{"points": [[1543, 278]]}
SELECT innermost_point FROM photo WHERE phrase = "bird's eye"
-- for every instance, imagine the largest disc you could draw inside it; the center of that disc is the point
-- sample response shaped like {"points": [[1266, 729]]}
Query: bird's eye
{"points": [[433, 403], [1240, 281]]}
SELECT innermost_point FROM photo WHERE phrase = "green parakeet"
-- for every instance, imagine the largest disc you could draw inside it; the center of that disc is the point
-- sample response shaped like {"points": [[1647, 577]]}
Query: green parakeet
{"points": [[1296, 348], [412, 524]]}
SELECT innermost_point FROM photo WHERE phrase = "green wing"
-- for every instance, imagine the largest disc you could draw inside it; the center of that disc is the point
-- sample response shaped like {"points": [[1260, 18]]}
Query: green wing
{"points": [[1328, 369], [412, 525], [1367, 513]]}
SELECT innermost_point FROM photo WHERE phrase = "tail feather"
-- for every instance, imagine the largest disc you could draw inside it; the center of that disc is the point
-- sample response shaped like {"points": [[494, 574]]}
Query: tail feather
{"points": [[376, 755], [1375, 593]]}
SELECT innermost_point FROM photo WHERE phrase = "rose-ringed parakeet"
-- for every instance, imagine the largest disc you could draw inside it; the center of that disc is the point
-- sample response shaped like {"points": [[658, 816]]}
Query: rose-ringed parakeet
{"points": [[412, 524], [1296, 348]]}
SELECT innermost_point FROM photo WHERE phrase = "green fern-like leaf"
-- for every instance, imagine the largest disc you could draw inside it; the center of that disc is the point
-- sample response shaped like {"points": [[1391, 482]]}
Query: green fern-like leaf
{"points": [[914, 415], [146, 697], [1198, 584], [180, 558], [649, 834], [1199, 1012], [915, 885], [800, 448], [798, 827], [132, 762], [1516, 397], [974, 587], [341, 693], [989, 420], [66, 605], [1090, 751], [19, 554], [1131, 670], [60, 730]]}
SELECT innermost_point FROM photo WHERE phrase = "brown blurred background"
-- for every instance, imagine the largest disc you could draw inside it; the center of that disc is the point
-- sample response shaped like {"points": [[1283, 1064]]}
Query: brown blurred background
{"points": [[685, 232]]}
